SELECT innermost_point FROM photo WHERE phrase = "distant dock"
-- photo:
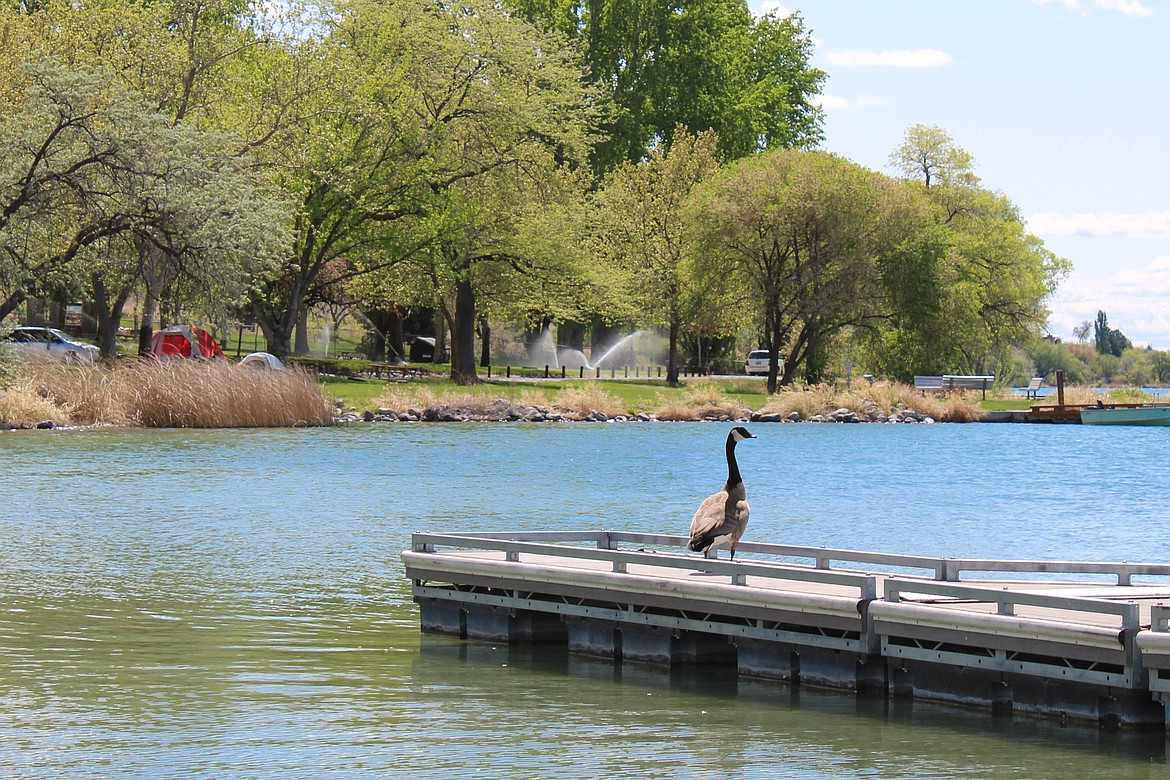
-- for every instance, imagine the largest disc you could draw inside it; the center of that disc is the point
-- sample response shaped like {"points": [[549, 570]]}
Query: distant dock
{"points": [[1062, 639]]}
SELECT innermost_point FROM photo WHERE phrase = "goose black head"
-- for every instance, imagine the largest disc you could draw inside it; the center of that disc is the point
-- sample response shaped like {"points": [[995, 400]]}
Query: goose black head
{"points": [[739, 433]]}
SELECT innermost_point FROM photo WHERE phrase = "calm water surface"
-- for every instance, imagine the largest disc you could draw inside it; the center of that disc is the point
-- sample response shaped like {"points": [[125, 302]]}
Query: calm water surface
{"points": [[231, 604]]}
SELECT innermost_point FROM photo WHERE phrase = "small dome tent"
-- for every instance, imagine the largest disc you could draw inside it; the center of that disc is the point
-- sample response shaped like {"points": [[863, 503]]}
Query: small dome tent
{"points": [[184, 341]]}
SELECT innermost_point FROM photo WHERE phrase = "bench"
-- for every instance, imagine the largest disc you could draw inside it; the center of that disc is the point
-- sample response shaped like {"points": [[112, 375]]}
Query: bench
{"points": [[960, 382], [1033, 388], [928, 383], [949, 382]]}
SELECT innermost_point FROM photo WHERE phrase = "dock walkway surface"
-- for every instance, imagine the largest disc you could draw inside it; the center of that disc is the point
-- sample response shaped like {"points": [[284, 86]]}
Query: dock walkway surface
{"points": [[1064, 639]]}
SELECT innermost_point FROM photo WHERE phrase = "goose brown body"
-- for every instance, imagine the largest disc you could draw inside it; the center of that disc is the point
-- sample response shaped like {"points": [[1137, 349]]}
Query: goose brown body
{"points": [[722, 517]]}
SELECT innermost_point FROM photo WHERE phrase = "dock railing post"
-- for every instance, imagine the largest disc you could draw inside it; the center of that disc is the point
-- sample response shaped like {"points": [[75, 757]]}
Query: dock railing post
{"points": [[947, 570]]}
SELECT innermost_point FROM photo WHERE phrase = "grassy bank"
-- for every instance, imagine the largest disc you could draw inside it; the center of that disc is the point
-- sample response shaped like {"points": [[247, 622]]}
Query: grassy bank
{"points": [[696, 398], [184, 394]]}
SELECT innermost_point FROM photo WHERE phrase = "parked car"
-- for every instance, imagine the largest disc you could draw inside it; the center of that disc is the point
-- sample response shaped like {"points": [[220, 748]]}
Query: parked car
{"points": [[757, 362], [37, 343]]}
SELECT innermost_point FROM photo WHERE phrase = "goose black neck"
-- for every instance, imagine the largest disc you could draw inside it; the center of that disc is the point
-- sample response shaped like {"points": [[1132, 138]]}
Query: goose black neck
{"points": [[733, 476]]}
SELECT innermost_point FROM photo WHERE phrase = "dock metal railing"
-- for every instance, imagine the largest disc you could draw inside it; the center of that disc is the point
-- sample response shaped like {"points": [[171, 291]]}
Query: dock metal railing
{"points": [[1006, 601], [819, 558], [551, 544]]}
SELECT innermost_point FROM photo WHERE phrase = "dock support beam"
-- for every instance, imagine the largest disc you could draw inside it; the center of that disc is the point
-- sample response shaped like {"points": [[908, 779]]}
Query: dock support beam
{"points": [[824, 667], [491, 623]]}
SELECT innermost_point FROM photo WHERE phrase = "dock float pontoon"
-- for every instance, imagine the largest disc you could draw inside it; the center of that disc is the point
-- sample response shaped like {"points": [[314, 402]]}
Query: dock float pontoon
{"points": [[1063, 639]]}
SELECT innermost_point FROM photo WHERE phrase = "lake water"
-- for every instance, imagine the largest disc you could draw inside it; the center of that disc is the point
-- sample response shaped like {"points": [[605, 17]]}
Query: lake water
{"points": [[230, 604]]}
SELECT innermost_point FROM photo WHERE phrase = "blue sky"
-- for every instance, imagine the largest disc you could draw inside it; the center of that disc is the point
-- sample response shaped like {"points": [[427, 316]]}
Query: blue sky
{"points": [[1064, 106]]}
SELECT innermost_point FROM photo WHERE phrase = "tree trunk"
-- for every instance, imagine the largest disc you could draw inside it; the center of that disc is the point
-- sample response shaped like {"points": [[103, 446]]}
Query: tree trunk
{"points": [[277, 330], [109, 316], [146, 327], [11, 304], [302, 332], [463, 370], [485, 342], [774, 339], [672, 354], [395, 348], [440, 355]]}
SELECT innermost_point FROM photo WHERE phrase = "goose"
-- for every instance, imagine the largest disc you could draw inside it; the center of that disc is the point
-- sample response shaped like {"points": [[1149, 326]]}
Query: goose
{"points": [[722, 517]]}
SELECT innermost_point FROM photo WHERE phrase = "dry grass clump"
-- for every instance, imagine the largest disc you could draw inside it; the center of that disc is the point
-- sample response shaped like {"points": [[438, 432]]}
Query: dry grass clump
{"points": [[191, 394], [584, 399], [21, 404], [401, 398], [882, 398], [807, 401], [703, 398], [88, 395], [179, 394], [952, 407]]}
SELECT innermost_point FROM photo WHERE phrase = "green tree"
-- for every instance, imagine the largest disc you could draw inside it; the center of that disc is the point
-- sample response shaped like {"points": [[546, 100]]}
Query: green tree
{"points": [[988, 277], [88, 167], [1107, 340], [208, 65], [639, 230], [446, 122], [701, 64], [928, 154], [797, 235]]}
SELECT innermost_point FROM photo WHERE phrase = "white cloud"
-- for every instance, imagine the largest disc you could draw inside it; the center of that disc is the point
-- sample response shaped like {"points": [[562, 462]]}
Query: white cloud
{"points": [[838, 103], [918, 58], [1150, 224], [771, 6], [1131, 8], [1134, 299]]}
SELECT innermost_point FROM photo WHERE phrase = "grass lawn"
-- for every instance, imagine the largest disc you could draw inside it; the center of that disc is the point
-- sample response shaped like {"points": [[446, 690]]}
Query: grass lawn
{"points": [[633, 394]]}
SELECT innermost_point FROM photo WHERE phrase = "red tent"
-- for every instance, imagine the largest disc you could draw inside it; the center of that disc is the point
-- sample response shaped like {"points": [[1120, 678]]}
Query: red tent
{"points": [[184, 341]]}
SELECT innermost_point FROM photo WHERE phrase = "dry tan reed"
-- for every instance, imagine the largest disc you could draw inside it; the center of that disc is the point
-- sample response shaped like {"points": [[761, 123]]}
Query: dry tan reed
{"points": [[583, 399], [701, 398], [881, 398], [188, 394], [179, 394], [21, 404], [403, 397]]}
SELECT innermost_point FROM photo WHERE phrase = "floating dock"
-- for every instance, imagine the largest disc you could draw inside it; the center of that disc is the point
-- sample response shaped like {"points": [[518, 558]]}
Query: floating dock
{"points": [[1063, 639]]}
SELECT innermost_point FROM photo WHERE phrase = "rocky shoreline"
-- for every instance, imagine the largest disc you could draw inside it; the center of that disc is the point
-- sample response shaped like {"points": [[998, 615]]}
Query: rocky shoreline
{"points": [[501, 410]]}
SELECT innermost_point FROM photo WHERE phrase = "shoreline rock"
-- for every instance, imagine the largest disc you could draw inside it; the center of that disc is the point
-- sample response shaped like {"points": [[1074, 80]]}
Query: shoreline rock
{"points": [[500, 410]]}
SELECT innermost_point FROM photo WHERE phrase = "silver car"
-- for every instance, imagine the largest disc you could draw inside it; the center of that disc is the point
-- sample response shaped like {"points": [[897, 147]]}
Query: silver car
{"points": [[37, 343]]}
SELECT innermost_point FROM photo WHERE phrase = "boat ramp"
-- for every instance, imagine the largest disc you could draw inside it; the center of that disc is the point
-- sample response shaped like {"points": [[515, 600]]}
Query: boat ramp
{"points": [[1086, 641]]}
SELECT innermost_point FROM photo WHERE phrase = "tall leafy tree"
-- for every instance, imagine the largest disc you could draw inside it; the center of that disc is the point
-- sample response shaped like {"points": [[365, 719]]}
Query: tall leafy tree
{"points": [[1107, 340], [89, 169], [202, 64], [700, 64], [985, 277], [795, 238], [639, 228], [421, 99]]}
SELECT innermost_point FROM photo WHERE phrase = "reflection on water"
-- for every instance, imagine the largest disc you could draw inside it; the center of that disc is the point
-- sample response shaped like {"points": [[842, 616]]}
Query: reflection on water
{"points": [[231, 604]]}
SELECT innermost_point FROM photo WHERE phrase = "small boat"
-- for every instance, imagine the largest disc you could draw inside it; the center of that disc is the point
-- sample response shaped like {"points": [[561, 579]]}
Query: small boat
{"points": [[1126, 415]]}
